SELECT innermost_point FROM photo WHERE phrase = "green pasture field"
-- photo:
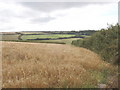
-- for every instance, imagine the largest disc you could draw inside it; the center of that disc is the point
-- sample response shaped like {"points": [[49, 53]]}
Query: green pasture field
{"points": [[66, 41], [85, 36], [14, 37], [25, 37], [34, 33], [59, 41]]}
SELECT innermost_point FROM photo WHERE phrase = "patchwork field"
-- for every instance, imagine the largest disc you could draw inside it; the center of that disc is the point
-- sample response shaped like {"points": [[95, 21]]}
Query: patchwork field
{"points": [[9, 37], [46, 38], [40, 65], [66, 41], [24, 37], [58, 41], [57, 37]]}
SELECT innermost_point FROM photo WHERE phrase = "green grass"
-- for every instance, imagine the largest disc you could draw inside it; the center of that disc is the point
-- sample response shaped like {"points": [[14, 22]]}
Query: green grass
{"points": [[9, 37], [66, 41], [60, 41], [25, 37], [34, 33]]}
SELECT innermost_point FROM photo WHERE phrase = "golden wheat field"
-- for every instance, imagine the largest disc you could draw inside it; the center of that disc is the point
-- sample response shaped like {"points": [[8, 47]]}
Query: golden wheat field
{"points": [[40, 65]]}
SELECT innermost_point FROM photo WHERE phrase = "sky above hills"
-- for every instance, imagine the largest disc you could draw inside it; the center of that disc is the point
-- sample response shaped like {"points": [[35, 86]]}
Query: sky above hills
{"points": [[57, 16]]}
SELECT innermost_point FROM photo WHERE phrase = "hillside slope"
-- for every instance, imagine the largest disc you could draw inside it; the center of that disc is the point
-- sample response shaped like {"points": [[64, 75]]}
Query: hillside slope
{"points": [[33, 65]]}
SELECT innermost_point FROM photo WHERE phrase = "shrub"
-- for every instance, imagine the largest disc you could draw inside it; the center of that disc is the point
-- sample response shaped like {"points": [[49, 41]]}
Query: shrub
{"points": [[103, 42]]}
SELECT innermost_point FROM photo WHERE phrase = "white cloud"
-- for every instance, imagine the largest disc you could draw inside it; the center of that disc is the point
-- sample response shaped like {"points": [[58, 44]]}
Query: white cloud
{"points": [[15, 17], [90, 17]]}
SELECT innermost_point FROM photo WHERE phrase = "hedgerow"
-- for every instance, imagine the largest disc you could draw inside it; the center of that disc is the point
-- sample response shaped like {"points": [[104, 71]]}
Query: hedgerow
{"points": [[104, 42]]}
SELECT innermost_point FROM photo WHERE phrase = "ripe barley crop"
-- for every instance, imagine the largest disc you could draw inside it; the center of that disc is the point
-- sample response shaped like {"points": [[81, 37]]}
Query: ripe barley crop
{"points": [[27, 65]]}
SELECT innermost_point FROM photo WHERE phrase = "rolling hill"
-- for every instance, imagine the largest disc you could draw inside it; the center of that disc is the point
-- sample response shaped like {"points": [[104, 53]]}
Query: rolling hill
{"points": [[41, 65]]}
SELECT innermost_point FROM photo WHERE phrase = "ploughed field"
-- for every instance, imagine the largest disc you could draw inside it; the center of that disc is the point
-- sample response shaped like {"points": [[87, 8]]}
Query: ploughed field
{"points": [[41, 65], [9, 37]]}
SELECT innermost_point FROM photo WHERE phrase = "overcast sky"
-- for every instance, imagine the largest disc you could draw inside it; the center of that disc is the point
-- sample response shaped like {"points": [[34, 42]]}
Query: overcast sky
{"points": [[56, 16]]}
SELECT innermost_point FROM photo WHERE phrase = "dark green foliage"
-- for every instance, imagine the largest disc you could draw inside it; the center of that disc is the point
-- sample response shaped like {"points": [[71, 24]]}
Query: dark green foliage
{"points": [[103, 42], [20, 36], [83, 32]]}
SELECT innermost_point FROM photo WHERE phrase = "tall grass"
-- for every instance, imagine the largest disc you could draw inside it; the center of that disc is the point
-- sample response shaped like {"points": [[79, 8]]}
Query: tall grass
{"points": [[28, 65]]}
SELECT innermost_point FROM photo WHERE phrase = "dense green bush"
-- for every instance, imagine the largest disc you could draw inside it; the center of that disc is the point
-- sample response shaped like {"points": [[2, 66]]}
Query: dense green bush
{"points": [[103, 42]]}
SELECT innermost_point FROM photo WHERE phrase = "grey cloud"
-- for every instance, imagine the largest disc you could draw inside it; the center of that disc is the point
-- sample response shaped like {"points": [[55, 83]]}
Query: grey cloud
{"points": [[4, 20], [47, 7], [43, 20], [38, 7], [6, 15], [51, 6]]}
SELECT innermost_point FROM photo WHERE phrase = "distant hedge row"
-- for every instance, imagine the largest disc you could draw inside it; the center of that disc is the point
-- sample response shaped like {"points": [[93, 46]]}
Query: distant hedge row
{"points": [[103, 42], [76, 36]]}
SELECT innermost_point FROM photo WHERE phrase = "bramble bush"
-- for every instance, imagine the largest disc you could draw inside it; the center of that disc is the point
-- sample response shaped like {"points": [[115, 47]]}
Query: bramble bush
{"points": [[104, 42]]}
